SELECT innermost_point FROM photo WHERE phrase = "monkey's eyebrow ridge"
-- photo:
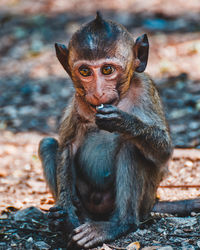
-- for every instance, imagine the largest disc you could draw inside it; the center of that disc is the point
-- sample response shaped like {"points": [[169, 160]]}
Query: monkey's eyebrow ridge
{"points": [[112, 61]]}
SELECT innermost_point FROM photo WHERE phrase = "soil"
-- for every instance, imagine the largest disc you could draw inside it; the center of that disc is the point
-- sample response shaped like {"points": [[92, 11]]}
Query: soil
{"points": [[34, 89]]}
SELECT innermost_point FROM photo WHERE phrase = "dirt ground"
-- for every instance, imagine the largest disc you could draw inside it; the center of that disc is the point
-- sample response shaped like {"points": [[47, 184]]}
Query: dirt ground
{"points": [[34, 89], [22, 185]]}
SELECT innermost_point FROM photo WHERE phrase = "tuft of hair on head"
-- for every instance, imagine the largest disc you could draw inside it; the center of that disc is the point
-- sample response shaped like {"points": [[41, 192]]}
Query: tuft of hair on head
{"points": [[98, 16], [99, 22]]}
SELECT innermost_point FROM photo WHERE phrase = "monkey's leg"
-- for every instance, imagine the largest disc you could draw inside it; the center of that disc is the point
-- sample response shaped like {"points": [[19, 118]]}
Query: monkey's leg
{"points": [[129, 190], [181, 207], [48, 152]]}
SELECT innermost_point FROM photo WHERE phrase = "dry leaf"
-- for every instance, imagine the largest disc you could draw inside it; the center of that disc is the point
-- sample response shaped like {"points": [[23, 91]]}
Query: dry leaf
{"points": [[133, 246]]}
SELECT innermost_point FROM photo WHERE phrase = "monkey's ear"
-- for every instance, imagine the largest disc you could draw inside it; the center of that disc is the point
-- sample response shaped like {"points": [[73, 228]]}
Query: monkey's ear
{"points": [[141, 51], [62, 54]]}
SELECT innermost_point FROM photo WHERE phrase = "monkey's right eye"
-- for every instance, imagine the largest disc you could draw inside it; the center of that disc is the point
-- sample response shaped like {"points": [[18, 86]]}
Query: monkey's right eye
{"points": [[85, 71]]}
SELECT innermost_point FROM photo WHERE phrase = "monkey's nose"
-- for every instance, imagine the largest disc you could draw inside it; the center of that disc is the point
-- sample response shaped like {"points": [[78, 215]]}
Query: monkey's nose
{"points": [[98, 95]]}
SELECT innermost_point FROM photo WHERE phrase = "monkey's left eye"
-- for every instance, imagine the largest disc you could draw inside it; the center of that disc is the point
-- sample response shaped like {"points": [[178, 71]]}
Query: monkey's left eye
{"points": [[107, 70], [85, 71]]}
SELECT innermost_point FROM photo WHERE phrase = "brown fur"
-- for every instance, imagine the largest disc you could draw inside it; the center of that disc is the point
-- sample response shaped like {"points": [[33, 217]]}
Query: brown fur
{"points": [[110, 160]]}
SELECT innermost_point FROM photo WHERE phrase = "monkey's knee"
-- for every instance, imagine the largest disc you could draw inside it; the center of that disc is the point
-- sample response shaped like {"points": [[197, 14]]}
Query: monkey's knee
{"points": [[46, 146], [48, 153]]}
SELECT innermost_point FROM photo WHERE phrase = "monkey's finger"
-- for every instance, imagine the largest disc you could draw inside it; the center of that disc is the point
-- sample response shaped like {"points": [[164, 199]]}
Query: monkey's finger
{"points": [[75, 238], [81, 228], [93, 242], [107, 109], [108, 117], [85, 240], [55, 209], [58, 214], [79, 236]]}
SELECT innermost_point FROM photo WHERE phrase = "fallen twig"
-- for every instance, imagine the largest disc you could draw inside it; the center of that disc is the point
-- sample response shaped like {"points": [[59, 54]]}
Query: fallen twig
{"points": [[179, 186]]}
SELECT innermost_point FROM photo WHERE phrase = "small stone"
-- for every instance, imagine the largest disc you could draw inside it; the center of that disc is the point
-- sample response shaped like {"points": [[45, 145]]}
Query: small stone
{"points": [[11, 111], [13, 245], [65, 93], [182, 222], [16, 236], [41, 245], [28, 214], [36, 45], [188, 164], [2, 245], [30, 240], [20, 32], [160, 230], [27, 110], [186, 246], [178, 231], [178, 113], [179, 128], [27, 167], [194, 125], [142, 232], [198, 106]]}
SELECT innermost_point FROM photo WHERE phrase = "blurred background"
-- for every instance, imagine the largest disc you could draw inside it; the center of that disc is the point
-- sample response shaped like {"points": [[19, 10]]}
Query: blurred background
{"points": [[34, 88]]}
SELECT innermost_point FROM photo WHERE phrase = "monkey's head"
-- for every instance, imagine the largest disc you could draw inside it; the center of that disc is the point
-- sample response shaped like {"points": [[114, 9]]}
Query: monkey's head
{"points": [[101, 59]]}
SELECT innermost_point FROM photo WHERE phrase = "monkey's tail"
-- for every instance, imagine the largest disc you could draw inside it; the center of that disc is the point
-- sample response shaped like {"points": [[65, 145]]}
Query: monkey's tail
{"points": [[181, 207]]}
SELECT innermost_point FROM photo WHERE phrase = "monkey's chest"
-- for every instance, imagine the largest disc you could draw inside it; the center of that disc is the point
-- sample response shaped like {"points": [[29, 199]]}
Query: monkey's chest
{"points": [[95, 160]]}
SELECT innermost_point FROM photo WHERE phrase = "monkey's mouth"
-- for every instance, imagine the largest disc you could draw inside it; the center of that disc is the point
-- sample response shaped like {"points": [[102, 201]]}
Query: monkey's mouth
{"points": [[95, 106], [112, 102]]}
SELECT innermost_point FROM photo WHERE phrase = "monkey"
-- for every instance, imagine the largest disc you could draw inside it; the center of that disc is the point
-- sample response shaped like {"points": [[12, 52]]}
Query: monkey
{"points": [[114, 143]]}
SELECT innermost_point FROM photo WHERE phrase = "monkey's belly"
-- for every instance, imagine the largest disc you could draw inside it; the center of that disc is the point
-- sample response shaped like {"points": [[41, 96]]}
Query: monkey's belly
{"points": [[95, 160], [95, 172]]}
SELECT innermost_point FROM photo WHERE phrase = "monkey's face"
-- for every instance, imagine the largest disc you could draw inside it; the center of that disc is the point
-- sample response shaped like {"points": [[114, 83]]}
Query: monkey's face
{"points": [[101, 59], [99, 80]]}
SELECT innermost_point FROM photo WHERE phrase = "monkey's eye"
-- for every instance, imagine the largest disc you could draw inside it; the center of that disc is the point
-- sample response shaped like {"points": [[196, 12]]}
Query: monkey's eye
{"points": [[85, 71], [107, 70]]}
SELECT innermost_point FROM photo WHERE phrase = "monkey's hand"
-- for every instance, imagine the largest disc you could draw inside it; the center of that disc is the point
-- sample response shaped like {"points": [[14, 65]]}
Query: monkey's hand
{"points": [[90, 235], [60, 220], [110, 118], [57, 218]]}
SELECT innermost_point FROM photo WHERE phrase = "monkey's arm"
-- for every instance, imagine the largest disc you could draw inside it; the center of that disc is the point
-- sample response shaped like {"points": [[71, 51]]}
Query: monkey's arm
{"points": [[57, 169], [66, 193], [151, 138]]}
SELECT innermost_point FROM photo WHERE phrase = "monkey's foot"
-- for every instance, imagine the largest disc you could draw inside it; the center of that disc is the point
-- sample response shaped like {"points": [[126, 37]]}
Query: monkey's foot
{"points": [[57, 219], [90, 235]]}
